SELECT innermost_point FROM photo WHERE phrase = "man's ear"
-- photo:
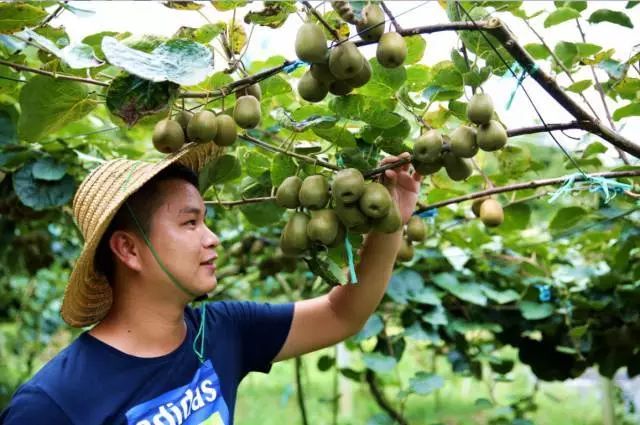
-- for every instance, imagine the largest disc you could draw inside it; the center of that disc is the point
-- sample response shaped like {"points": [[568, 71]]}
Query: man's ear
{"points": [[126, 247]]}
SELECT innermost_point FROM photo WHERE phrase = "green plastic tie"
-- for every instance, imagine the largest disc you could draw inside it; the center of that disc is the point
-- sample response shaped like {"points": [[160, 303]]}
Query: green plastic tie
{"points": [[200, 335], [524, 74]]}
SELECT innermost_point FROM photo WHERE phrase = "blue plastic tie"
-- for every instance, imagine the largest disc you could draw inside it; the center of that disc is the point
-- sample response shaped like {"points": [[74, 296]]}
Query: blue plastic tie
{"points": [[429, 214], [608, 187], [293, 66], [544, 293], [352, 266], [347, 243], [524, 74]]}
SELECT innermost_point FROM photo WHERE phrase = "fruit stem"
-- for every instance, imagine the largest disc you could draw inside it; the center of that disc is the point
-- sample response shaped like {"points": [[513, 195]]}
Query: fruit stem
{"points": [[395, 23], [319, 17]]}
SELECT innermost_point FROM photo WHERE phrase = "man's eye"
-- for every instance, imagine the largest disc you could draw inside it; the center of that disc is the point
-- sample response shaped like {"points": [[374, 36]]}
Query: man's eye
{"points": [[191, 222]]}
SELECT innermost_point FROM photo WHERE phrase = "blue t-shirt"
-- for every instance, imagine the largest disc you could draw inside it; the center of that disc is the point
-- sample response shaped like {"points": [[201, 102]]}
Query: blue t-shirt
{"points": [[90, 382]]}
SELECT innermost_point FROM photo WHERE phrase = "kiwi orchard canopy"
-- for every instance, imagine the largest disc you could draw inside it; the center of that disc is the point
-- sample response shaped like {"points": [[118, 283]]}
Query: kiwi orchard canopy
{"points": [[489, 259]]}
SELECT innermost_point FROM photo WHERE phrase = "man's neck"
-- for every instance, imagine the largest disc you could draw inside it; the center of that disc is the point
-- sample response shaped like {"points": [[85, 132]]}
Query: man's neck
{"points": [[142, 329]]}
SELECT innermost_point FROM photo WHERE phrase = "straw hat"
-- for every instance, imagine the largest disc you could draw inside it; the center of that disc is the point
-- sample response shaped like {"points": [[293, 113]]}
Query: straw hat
{"points": [[87, 298]]}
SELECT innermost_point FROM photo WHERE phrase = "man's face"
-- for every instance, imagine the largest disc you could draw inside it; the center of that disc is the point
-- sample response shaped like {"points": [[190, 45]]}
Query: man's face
{"points": [[182, 240]]}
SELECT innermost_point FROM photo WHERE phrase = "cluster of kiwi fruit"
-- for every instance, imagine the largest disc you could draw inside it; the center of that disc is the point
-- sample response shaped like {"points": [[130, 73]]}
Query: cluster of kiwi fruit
{"points": [[326, 212], [415, 231], [170, 134], [434, 150], [342, 68], [272, 261], [489, 210]]}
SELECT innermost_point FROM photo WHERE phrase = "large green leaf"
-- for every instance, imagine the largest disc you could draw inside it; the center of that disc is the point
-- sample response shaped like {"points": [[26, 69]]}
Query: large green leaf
{"points": [[566, 52], [41, 194], [535, 311], [224, 5], [566, 218], [424, 383], [339, 136], [255, 163], [220, 170], [16, 16], [365, 108], [372, 328], [384, 82], [131, 97], [379, 363], [8, 124], [48, 169], [416, 45], [632, 109], [516, 217], [538, 51], [579, 86], [560, 15], [404, 285], [181, 61], [282, 166], [264, 213], [273, 15], [49, 104], [613, 16]]}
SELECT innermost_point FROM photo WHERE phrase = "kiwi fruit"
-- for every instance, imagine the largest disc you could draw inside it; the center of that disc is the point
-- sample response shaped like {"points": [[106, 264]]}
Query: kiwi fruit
{"points": [[322, 73], [348, 185], [311, 43], [246, 112], [314, 192], [202, 127], [463, 142], [428, 147], [475, 205], [168, 136], [458, 169], [287, 193], [323, 226], [340, 88], [227, 131], [345, 60], [491, 136], [373, 26], [491, 213], [405, 253], [375, 201], [390, 223], [183, 117], [253, 90], [362, 77], [351, 216], [416, 229], [392, 50], [311, 89], [293, 239], [480, 108], [426, 168]]}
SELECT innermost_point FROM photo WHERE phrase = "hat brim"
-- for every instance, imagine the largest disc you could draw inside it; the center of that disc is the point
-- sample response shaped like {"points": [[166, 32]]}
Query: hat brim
{"points": [[88, 295]]}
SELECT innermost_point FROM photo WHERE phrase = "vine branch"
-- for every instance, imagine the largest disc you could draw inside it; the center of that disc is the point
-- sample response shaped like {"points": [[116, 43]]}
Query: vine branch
{"points": [[242, 201], [382, 400], [19, 67], [549, 84], [526, 185], [305, 158], [395, 23]]}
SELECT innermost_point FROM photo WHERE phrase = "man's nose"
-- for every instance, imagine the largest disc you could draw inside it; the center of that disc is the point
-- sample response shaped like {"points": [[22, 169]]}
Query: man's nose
{"points": [[211, 239]]}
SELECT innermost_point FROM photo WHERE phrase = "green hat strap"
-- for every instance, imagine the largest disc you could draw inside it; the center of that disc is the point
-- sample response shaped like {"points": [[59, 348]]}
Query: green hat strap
{"points": [[200, 336]]}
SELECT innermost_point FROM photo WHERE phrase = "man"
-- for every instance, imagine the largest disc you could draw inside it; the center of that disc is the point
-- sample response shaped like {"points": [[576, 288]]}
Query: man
{"points": [[151, 359]]}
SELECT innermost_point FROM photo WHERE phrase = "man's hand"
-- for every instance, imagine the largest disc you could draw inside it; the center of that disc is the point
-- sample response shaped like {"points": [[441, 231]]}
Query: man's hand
{"points": [[403, 186]]}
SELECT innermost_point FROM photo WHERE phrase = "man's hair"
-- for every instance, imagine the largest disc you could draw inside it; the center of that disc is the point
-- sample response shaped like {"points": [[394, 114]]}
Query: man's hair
{"points": [[144, 203]]}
